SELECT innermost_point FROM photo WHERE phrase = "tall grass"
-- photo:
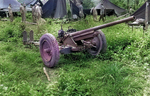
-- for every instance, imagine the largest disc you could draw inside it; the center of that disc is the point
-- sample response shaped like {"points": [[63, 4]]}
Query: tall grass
{"points": [[122, 70]]}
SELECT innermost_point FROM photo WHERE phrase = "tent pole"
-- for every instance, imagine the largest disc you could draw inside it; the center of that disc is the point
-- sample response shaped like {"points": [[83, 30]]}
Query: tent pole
{"points": [[71, 11], [146, 15]]}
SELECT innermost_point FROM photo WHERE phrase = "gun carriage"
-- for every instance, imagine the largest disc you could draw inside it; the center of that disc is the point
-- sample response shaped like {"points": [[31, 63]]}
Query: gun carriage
{"points": [[93, 40]]}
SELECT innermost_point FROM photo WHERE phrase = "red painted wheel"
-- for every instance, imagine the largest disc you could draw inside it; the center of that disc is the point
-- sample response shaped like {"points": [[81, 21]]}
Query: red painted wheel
{"points": [[49, 50], [98, 45], [104, 45]]}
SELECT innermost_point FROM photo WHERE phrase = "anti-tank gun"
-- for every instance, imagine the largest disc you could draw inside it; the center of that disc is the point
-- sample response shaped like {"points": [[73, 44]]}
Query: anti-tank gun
{"points": [[93, 40]]}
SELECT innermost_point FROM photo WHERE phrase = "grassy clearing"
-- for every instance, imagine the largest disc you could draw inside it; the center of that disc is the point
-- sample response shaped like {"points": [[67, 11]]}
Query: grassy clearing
{"points": [[122, 70]]}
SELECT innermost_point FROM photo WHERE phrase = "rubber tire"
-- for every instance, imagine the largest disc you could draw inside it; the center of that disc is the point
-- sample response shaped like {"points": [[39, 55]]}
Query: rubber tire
{"points": [[104, 46], [51, 57], [98, 45]]}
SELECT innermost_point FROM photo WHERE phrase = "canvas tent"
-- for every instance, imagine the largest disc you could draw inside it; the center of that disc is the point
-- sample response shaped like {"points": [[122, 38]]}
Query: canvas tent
{"points": [[44, 1], [85, 11], [75, 10], [61, 9], [110, 7], [31, 2], [5, 3], [140, 13], [77, 1], [54, 9], [16, 5]]}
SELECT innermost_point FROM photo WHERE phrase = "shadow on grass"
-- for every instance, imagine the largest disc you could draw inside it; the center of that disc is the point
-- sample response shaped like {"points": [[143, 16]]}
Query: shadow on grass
{"points": [[79, 59]]}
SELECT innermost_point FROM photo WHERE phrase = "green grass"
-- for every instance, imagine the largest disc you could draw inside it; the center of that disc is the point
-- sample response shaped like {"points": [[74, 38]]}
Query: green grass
{"points": [[122, 70]]}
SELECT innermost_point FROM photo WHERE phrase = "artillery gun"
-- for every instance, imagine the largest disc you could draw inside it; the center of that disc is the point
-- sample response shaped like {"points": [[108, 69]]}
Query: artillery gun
{"points": [[93, 40]]}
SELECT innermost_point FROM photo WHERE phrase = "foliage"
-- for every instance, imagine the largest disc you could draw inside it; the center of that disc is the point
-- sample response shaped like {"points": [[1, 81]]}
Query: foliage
{"points": [[87, 4], [135, 4]]}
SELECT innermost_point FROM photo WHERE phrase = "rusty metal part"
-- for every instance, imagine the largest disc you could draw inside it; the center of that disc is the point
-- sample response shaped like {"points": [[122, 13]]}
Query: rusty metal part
{"points": [[103, 26], [70, 41], [74, 40], [97, 46], [65, 50], [89, 44], [83, 36]]}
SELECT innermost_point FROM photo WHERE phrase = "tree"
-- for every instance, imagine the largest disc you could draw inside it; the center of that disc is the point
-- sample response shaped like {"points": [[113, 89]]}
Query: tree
{"points": [[87, 4]]}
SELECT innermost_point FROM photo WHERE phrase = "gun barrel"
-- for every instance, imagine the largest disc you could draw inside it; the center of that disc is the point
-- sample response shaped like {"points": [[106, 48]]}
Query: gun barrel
{"points": [[131, 18]]}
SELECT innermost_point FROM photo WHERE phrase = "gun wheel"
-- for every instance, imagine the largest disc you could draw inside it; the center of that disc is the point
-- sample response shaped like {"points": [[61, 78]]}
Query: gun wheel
{"points": [[49, 50], [98, 45], [104, 45]]}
